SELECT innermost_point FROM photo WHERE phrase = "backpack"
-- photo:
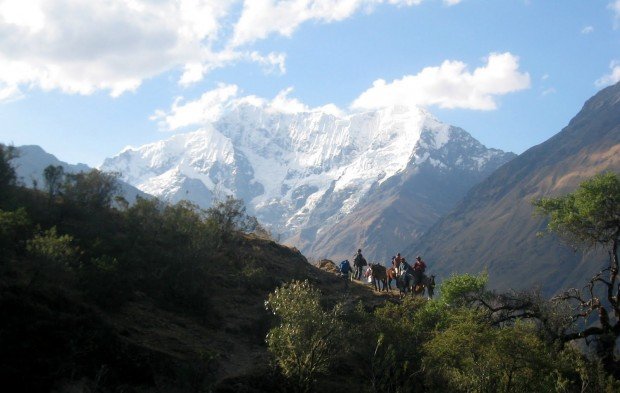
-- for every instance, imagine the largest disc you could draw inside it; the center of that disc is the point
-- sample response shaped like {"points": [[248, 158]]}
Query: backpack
{"points": [[345, 267]]}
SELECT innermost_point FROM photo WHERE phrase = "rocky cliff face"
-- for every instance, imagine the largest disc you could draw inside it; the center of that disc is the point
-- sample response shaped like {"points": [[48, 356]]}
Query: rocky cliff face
{"points": [[305, 175], [494, 228]]}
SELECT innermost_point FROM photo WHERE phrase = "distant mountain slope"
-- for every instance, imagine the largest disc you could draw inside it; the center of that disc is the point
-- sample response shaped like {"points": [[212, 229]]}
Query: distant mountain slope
{"points": [[305, 175], [493, 227], [400, 209], [32, 161]]}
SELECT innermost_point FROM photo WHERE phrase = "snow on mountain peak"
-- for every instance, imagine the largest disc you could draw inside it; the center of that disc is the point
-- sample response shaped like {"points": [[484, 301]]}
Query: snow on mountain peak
{"points": [[285, 164]]}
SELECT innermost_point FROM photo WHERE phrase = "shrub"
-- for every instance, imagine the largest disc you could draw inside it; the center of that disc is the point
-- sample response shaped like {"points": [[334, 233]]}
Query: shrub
{"points": [[307, 339]]}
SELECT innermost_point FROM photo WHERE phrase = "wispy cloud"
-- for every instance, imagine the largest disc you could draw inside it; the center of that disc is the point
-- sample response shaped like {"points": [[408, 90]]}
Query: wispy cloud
{"points": [[611, 78], [587, 30], [450, 85], [213, 104], [614, 6], [261, 18]]}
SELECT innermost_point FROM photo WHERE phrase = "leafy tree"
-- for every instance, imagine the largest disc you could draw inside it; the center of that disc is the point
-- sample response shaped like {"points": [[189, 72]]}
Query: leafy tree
{"points": [[14, 227], [230, 216], [460, 290], [7, 172], [53, 247], [94, 189], [586, 219], [472, 356], [307, 338], [53, 176]]}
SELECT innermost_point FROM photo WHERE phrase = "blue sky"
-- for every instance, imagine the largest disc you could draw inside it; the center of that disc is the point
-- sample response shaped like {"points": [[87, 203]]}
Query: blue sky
{"points": [[84, 79]]}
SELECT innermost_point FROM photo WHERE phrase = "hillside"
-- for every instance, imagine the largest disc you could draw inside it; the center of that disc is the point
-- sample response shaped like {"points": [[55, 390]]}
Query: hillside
{"points": [[403, 207], [493, 227], [151, 298]]}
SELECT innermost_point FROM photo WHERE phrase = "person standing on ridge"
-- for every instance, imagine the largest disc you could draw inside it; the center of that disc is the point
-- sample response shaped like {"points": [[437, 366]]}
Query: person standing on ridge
{"points": [[397, 262], [359, 262], [418, 270]]}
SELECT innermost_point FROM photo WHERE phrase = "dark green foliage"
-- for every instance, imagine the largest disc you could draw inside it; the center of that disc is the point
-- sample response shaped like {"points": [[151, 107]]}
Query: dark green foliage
{"points": [[440, 345], [14, 230], [67, 256], [7, 172], [93, 190], [230, 216], [305, 342], [589, 218], [54, 178]]}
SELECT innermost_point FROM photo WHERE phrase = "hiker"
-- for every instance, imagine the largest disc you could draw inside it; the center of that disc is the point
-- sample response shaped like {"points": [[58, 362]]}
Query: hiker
{"points": [[368, 275], [345, 270], [359, 262], [398, 260], [419, 267]]}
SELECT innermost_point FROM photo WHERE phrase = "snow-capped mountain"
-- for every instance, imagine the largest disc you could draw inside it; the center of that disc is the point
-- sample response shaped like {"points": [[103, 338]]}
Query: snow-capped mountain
{"points": [[299, 173]]}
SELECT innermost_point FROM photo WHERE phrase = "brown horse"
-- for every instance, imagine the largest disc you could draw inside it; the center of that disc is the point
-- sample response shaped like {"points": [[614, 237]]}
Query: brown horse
{"points": [[428, 283], [379, 275], [391, 275]]}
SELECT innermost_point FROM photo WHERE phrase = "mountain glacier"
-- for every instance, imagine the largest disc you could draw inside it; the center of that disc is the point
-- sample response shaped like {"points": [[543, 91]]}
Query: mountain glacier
{"points": [[287, 167]]}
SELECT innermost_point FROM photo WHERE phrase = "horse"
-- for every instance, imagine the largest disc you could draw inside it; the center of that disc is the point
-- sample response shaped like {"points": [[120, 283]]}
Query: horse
{"points": [[379, 274], [391, 275], [428, 283]]}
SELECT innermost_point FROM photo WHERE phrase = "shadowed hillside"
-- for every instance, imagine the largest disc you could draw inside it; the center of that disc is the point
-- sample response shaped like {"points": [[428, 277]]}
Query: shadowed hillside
{"points": [[493, 227], [149, 297]]}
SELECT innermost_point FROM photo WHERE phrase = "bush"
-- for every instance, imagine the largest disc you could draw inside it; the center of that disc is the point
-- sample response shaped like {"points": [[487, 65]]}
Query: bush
{"points": [[307, 339], [14, 229]]}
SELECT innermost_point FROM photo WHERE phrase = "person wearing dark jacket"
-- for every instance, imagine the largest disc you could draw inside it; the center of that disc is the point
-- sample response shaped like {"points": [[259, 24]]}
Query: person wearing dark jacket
{"points": [[358, 263], [419, 267]]}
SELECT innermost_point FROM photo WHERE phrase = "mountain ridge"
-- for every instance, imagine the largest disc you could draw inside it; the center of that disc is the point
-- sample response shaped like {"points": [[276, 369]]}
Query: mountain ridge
{"points": [[302, 173], [493, 227]]}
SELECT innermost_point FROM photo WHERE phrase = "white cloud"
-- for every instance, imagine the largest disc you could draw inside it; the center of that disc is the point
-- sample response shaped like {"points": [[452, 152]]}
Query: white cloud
{"points": [[80, 46], [283, 104], [84, 46], [550, 90], [587, 30], [214, 103], [208, 108], [450, 85], [614, 6], [271, 62], [612, 78], [260, 18]]}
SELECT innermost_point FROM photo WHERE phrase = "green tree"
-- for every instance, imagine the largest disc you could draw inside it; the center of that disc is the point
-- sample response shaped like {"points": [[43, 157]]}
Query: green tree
{"points": [[7, 172], [54, 177], [472, 356], [54, 248], [14, 227], [94, 189], [586, 219], [307, 339], [230, 216]]}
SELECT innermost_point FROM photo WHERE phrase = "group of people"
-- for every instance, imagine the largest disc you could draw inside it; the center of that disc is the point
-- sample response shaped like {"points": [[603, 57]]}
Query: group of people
{"points": [[399, 264]]}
